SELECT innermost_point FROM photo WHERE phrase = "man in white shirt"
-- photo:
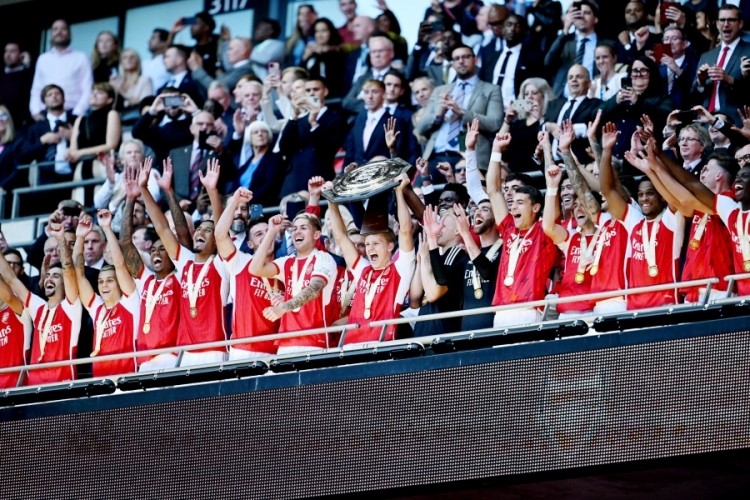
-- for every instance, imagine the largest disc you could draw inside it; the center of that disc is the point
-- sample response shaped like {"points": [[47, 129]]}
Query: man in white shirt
{"points": [[268, 48], [154, 68], [70, 69], [367, 138]]}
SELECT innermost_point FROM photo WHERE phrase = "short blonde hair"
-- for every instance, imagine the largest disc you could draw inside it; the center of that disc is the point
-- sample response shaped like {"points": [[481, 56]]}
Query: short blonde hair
{"points": [[10, 129]]}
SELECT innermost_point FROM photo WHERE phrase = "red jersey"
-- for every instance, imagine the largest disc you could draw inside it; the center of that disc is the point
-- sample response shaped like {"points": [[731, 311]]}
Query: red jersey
{"points": [[313, 314], [729, 211], [391, 286], [612, 263], [250, 295], [343, 291], [571, 247], [15, 340], [115, 331], [165, 317], [668, 245], [712, 258], [537, 257], [206, 322], [58, 329]]}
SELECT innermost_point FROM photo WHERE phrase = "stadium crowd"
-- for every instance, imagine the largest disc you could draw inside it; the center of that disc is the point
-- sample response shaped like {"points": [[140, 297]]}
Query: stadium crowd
{"points": [[554, 154]]}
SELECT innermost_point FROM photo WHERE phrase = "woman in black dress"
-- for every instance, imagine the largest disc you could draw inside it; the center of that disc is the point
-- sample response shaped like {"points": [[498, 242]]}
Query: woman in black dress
{"points": [[105, 58], [323, 58]]}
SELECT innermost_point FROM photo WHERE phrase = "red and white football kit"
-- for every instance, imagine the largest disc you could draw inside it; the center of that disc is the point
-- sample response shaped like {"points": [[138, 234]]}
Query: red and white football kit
{"points": [[737, 222], [342, 297], [205, 289], [380, 295], [15, 340], [251, 295], [160, 308], [296, 275], [55, 338], [644, 269], [114, 333]]}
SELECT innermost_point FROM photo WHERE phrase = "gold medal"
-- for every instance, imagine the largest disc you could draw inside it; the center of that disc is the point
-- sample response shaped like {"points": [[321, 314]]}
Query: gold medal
{"points": [[694, 244], [478, 293], [367, 313], [746, 266], [579, 278], [146, 327], [653, 271], [594, 269], [94, 352], [424, 300], [508, 281], [193, 312]]}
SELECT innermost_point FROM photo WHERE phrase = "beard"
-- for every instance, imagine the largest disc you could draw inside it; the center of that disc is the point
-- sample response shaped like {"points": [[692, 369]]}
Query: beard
{"points": [[238, 226]]}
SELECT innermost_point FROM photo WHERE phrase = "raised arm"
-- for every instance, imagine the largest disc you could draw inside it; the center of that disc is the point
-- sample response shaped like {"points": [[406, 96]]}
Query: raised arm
{"points": [[132, 191], [15, 287], [210, 181], [557, 233], [495, 176], [223, 240], [703, 195], [463, 224], [473, 177], [83, 286], [348, 250], [617, 203], [124, 279], [405, 238], [260, 267], [10, 298], [432, 227], [573, 168], [158, 219], [391, 137]]}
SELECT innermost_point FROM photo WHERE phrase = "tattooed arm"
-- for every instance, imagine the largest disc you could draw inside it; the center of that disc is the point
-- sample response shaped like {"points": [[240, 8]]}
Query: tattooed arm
{"points": [[178, 219], [132, 256], [77, 262], [307, 294], [585, 196]]}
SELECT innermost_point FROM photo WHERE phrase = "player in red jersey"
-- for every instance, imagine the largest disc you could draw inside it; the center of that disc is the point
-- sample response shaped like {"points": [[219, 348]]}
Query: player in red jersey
{"points": [[308, 281], [203, 278], [655, 234], [115, 310], [528, 254], [382, 283], [159, 289], [15, 330], [251, 294], [57, 321]]}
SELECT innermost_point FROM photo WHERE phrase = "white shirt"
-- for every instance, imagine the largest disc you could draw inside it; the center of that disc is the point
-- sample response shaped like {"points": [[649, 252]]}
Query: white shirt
{"points": [[578, 128], [508, 87], [317, 119], [380, 74], [155, 69], [441, 141], [176, 80], [70, 70], [690, 166], [588, 54], [373, 117], [98, 264], [391, 108], [61, 167]]}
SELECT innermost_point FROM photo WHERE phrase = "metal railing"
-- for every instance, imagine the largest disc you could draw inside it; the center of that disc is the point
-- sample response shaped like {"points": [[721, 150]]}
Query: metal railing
{"points": [[18, 192], [49, 163]]}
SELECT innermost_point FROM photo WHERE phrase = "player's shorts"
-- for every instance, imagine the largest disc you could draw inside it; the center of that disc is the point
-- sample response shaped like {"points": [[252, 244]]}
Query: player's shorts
{"points": [[160, 362], [202, 358], [516, 317]]}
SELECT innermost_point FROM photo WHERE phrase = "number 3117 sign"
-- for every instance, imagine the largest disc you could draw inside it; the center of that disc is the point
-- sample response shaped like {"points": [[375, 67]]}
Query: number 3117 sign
{"points": [[225, 6]]}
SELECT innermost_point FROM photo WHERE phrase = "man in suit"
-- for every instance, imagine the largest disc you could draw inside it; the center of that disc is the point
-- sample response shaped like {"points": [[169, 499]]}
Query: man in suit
{"points": [[453, 106], [430, 32], [678, 70], [574, 48], [189, 160], [358, 61], [381, 56], [720, 83], [577, 108], [310, 143], [175, 60], [366, 140], [442, 72], [164, 128], [490, 53], [516, 61], [395, 86], [238, 55], [637, 38]]}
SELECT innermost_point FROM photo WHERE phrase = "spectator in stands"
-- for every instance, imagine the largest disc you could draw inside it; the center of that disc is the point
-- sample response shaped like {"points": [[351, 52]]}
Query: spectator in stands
{"points": [[98, 132], [268, 48], [490, 53], [15, 260], [346, 32], [164, 128], [720, 82], [608, 83], [578, 48], [238, 55], [454, 105], [636, 39], [324, 59], [93, 247], [219, 93], [302, 34], [206, 43], [705, 24], [189, 160], [277, 95], [10, 147], [175, 59], [395, 90], [678, 70], [154, 68], [252, 93], [260, 172], [15, 84], [425, 51], [105, 57], [523, 120], [130, 84], [310, 144], [692, 143], [441, 70], [421, 89], [381, 57], [67, 68], [485, 35], [546, 16], [462, 13], [386, 22], [358, 61]]}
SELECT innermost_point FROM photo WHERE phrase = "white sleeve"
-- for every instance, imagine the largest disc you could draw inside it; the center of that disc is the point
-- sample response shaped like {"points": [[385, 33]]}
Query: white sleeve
{"points": [[632, 217], [102, 197], [405, 266], [237, 262], [724, 206], [74, 312], [675, 222], [280, 264], [140, 280], [563, 246], [28, 328], [325, 267], [184, 257], [96, 301], [153, 187], [33, 304], [473, 180]]}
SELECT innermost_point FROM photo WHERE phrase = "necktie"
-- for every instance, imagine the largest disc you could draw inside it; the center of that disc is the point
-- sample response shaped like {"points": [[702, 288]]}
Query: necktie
{"points": [[172, 83], [51, 153], [369, 128], [501, 76], [361, 63], [290, 250], [581, 50], [569, 111], [455, 126], [195, 180], [715, 91], [670, 80]]}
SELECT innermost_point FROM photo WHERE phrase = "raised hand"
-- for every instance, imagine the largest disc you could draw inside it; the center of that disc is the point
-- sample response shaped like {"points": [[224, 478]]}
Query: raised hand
{"points": [[423, 167], [500, 143], [315, 186], [472, 134], [391, 134], [239, 122], [243, 195], [130, 180], [211, 179], [567, 134], [144, 173], [446, 169], [553, 176], [275, 223], [636, 145], [638, 161], [85, 224], [404, 181], [594, 126], [609, 135], [164, 181], [108, 160], [104, 217], [432, 226], [463, 225], [350, 167], [648, 128], [745, 116]]}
